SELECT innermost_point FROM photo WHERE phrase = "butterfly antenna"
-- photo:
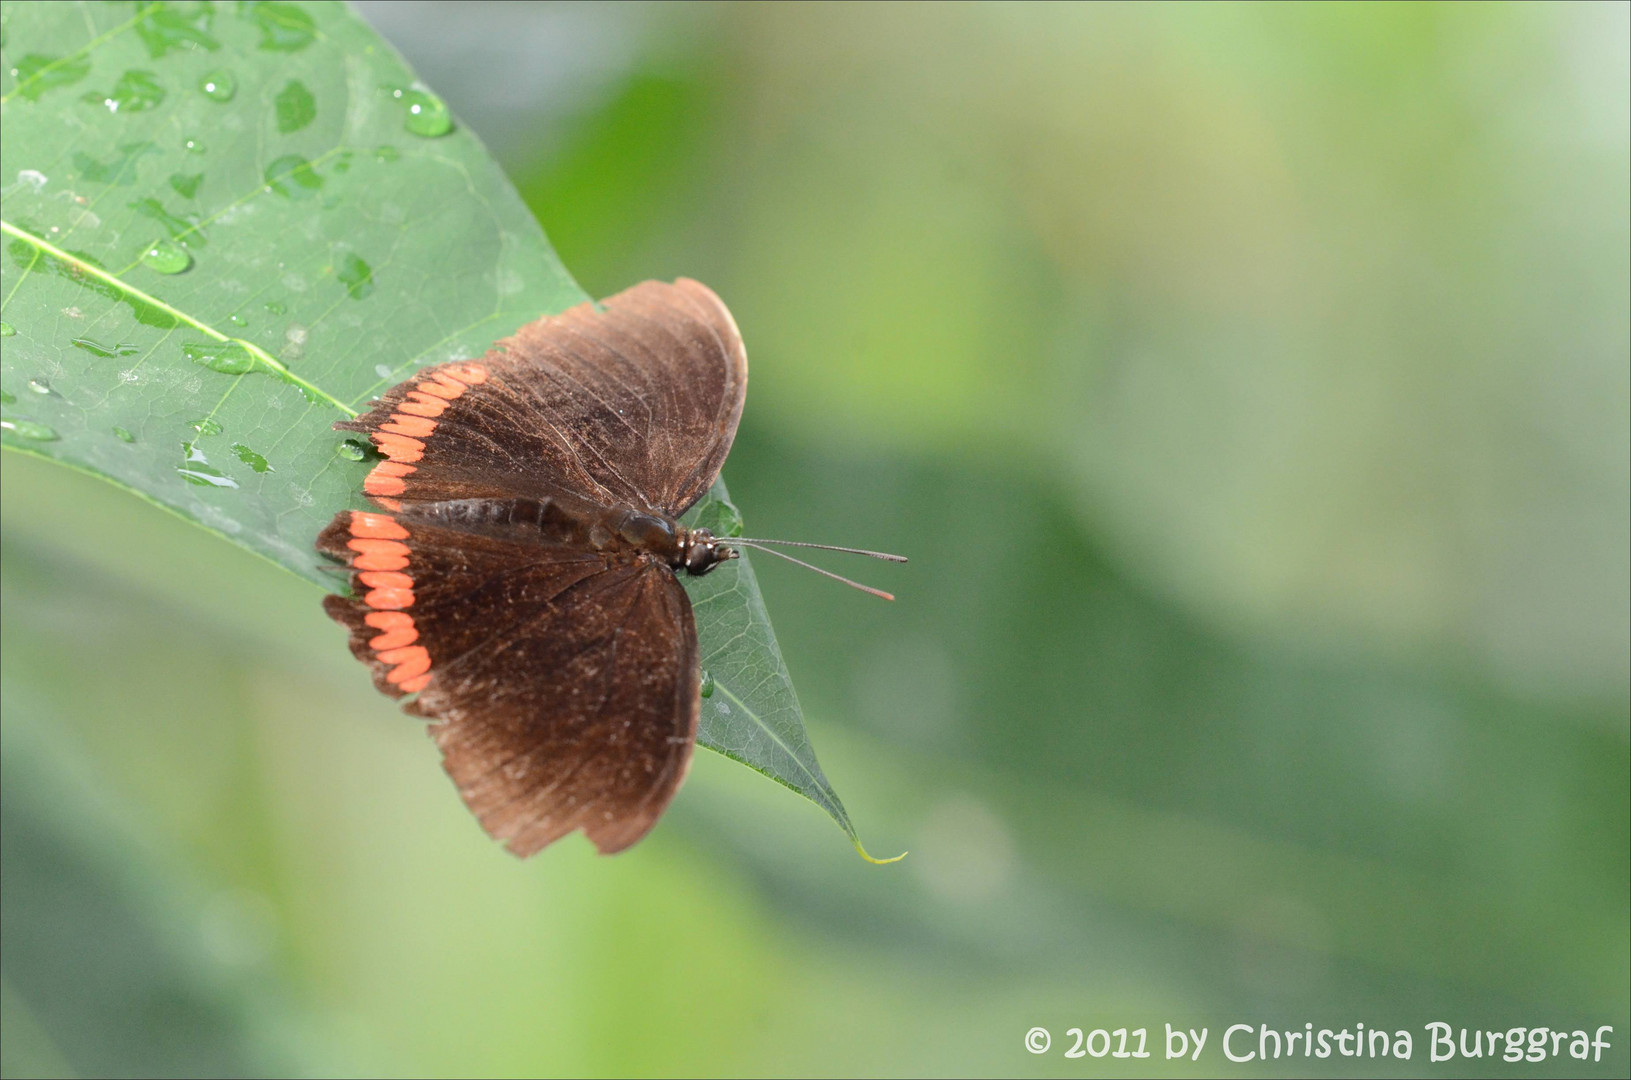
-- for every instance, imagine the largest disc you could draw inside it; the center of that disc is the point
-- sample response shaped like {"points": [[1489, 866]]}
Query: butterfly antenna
{"points": [[828, 573], [824, 547]]}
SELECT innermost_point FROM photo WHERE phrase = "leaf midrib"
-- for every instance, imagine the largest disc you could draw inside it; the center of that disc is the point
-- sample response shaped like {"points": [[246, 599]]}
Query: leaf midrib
{"points": [[260, 355]]}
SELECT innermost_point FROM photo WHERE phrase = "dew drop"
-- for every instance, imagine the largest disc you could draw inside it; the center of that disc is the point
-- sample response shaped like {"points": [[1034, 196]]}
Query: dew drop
{"points": [[193, 146], [28, 429], [7, 397], [250, 458], [167, 257], [207, 426], [41, 386], [707, 684], [186, 184], [351, 450], [227, 357], [197, 469], [237, 320], [357, 277], [123, 435], [382, 370], [136, 91], [428, 115], [294, 106], [96, 348], [385, 155], [293, 177], [7, 330], [218, 85], [275, 308]]}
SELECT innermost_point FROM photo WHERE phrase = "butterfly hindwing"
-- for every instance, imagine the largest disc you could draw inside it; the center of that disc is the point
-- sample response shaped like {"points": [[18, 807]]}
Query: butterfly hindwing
{"points": [[563, 682]]}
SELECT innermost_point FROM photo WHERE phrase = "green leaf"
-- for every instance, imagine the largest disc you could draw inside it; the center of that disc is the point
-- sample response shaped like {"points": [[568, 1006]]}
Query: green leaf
{"points": [[750, 712], [251, 235]]}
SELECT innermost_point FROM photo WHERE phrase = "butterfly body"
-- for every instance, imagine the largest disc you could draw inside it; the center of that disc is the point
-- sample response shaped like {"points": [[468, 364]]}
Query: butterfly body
{"points": [[518, 573]]}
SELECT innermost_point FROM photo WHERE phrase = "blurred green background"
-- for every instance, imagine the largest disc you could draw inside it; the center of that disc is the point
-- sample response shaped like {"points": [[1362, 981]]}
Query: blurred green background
{"points": [[1249, 386]]}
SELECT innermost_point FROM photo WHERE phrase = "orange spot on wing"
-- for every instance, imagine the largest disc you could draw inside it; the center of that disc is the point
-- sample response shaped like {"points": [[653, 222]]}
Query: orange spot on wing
{"points": [[409, 662], [389, 599], [388, 620], [442, 387], [385, 579], [389, 504], [379, 562], [395, 639], [421, 404], [376, 526], [399, 447], [417, 426], [415, 684], [377, 483], [379, 547], [474, 374], [395, 468]]}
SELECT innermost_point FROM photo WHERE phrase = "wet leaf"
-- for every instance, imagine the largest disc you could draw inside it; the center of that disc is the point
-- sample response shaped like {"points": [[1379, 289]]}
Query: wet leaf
{"points": [[206, 284]]}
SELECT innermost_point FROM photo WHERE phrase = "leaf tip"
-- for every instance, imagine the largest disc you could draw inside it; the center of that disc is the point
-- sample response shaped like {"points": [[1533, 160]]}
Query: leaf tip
{"points": [[875, 862]]}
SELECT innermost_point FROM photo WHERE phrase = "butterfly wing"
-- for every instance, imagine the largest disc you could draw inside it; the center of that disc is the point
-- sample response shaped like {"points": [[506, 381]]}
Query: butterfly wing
{"points": [[563, 682], [632, 404]]}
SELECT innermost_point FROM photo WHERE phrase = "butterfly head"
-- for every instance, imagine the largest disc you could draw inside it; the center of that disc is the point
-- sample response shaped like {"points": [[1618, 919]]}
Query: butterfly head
{"points": [[700, 551]]}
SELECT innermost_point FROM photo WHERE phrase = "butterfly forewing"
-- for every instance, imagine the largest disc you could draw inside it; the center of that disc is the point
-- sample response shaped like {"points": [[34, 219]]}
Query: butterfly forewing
{"points": [[562, 678], [633, 405]]}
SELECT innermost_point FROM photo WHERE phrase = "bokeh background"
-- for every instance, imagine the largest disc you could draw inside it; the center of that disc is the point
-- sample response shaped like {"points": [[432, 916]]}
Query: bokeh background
{"points": [[1249, 386]]}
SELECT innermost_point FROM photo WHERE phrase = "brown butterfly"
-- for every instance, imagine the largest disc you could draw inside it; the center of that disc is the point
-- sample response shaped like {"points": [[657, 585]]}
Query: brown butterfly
{"points": [[520, 575]]}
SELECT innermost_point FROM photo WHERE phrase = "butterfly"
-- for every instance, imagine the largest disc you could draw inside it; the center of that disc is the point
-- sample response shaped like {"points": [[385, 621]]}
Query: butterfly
{"points": [[519, 573]]}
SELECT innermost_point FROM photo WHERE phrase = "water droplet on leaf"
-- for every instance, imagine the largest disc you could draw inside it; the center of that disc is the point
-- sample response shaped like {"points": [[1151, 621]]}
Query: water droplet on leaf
{"points": [[6, 329], [197, 470], [41, 386], [28, 429], [385, 155], [250, 458], [120, 169], [293, 177], [136, 91], [275, 308], [351, 450], [207, 426], [37, 73], [166, 27], [218, 85], [186, 184], [193, 146], [227, 357], [8, 398], [283, 27], [123, 435], [428, 115], [295, 107], [96, 348], [707, 684], [167, 257], [237, 320], [356, 276]]}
